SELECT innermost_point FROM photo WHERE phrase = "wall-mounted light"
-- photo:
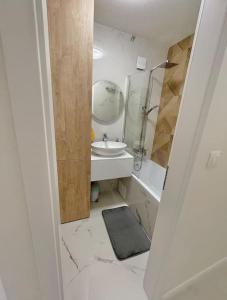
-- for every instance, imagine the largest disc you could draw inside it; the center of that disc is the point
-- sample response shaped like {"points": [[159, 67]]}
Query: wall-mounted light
{"points": [[97, 53]]}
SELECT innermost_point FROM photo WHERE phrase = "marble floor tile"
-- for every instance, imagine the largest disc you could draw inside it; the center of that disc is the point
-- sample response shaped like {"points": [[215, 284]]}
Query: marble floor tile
{"points": [[91, 270], [69, 269]]}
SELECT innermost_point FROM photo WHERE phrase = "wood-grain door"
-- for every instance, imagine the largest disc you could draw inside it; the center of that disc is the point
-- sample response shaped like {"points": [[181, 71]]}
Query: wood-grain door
{"points": [[71, 44]]}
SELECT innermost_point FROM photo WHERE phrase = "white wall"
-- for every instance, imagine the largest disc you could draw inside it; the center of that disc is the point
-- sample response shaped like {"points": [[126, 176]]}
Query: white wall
{"points": [[24, 33], [200, 238], [2, 291], [17, 263], [119, 60], [189, 248]]}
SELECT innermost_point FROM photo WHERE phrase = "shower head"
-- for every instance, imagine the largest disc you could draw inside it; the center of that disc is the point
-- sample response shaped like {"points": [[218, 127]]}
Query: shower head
{"points": [[165, 65], [168, 65]]}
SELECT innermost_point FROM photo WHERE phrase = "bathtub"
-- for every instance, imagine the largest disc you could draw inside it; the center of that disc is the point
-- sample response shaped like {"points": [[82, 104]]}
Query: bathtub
{"points": [[151, 177], [142, 192]]}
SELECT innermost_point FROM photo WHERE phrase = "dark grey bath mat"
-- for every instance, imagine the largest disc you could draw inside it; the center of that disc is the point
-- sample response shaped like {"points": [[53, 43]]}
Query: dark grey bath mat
{"points": [[127, 235]]}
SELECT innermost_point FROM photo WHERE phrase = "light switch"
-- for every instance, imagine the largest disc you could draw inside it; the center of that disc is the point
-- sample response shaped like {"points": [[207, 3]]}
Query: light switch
{"points": [[213, 158]]}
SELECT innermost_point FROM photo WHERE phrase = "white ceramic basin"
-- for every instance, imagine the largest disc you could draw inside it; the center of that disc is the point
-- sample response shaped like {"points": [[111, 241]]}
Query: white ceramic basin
{"points": [[108, 148]]}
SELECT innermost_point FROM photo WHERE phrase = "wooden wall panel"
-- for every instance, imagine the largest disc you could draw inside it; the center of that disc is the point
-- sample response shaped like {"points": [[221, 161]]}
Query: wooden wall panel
{"points": [[71, 44], [170, 100]]}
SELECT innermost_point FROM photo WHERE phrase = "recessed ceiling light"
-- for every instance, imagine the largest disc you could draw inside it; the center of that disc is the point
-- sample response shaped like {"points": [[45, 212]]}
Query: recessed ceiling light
{"points": [[97, 53]]}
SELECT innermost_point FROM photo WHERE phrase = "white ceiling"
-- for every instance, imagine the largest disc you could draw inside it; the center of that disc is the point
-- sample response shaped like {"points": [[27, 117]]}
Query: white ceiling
{"points": [[167, 21]]}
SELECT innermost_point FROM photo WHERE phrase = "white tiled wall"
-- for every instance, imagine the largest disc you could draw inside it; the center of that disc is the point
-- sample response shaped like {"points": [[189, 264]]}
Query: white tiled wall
{"points": [[118, 61]]}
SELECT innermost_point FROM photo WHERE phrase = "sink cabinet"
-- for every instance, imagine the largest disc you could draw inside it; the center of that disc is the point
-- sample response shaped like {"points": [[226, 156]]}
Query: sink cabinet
{"points": [[103, 168]]}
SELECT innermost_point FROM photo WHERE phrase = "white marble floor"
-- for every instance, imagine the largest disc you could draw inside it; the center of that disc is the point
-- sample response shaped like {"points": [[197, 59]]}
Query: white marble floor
{"points": [[91, 270]]}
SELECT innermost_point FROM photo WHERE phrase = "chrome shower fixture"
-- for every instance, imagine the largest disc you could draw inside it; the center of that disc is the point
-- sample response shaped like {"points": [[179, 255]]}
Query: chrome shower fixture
{"points": [[164, 65], [150, 109]]}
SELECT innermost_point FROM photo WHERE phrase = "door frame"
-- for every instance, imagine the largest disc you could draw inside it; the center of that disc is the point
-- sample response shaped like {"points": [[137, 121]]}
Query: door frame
{"points": [[206, 58], [41, 187], [24, 33]]}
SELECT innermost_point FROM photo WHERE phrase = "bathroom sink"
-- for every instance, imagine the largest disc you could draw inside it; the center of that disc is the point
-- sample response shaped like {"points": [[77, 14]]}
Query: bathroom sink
{"points": [[108, 148]]}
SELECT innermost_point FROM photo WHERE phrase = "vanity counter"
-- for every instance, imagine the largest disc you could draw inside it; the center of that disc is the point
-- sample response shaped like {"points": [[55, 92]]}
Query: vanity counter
{"points": [[111, 167]]}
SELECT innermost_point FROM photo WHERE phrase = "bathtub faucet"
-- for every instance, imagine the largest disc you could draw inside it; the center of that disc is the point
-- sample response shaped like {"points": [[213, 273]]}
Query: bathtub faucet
{"points": [[140, 150], [105, 137]]}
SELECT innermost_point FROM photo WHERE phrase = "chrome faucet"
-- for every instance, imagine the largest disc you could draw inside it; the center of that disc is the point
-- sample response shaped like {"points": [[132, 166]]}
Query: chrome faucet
{"points": [[105, 138]]}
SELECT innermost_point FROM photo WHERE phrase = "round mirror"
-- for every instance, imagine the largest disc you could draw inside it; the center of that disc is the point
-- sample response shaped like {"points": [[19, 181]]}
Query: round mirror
{"points": [[107, 102]]}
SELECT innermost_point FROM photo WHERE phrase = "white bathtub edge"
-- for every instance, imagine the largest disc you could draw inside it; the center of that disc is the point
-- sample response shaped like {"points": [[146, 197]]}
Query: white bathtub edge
{"points": [[148, 190]]}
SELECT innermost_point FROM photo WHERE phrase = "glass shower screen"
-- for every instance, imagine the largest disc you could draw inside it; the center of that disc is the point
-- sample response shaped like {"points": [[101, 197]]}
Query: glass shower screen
{"points": [[137, 85]]}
